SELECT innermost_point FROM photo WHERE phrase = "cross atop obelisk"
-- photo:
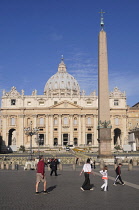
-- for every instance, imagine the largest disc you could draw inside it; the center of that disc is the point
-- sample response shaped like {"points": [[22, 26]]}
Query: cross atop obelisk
{"points": [[104, 129], [102, 19]]}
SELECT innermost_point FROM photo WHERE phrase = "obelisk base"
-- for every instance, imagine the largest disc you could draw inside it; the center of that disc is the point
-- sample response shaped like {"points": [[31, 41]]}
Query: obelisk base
{"points": [[104, 139]]}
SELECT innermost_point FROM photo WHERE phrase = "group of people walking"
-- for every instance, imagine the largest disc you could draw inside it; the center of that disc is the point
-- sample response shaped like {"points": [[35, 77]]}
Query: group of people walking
{"points": [[87, 170]]}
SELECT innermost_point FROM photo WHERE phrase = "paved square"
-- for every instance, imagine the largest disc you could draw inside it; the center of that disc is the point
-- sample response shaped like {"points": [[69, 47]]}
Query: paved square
{"points": [[17, 191]]}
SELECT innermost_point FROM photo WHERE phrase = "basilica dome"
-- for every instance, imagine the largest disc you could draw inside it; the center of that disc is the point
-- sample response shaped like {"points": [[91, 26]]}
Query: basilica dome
{"points": [[62, 82]]}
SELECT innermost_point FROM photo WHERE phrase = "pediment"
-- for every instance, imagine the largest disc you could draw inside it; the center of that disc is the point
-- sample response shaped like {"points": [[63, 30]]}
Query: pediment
{"points": [[66, 105]]}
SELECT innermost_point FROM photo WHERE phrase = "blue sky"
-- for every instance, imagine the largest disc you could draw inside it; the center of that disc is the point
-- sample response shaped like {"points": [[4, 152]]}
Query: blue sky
{"points": [[35, 33]]}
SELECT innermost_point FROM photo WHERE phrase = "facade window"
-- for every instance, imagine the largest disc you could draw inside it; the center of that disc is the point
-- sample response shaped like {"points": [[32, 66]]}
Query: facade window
{"points": [[55, 121], [29, 103], [116, 121], [55, 102], [12, 121], [116, 102], [62, 85], [75, 129], [13, 102], [89, 102], [56, 86], [89, 129], [75, 121], [65, 120], [89, 121], [41, 103], [41, 121], [28, 121], [75, 102], [55, 129]]}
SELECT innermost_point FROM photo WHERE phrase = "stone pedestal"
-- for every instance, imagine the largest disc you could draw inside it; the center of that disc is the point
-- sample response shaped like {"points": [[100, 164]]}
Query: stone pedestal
{"points": [[104, 139]]}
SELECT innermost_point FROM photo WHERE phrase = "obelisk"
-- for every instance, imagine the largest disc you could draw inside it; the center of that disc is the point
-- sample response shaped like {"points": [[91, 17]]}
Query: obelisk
{"points": [[104, 127]]}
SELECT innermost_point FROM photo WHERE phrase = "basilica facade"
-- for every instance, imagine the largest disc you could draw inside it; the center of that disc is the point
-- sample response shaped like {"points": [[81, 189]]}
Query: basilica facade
{"points": [[64, 115]]}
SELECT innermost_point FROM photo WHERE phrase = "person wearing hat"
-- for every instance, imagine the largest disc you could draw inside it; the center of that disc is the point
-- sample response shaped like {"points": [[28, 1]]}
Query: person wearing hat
{"points": [[87, 170], [118, 175]]}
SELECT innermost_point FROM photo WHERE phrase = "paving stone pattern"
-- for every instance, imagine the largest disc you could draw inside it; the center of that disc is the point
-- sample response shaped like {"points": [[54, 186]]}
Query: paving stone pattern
{"points": [[17, 191]]}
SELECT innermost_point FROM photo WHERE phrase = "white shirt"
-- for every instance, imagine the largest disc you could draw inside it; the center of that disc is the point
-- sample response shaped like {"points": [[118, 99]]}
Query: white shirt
{"points": [[87, 167], [104, 173]]}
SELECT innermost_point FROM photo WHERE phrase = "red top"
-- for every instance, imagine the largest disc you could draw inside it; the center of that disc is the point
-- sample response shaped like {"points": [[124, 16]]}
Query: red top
{"points": [[40, 167]]}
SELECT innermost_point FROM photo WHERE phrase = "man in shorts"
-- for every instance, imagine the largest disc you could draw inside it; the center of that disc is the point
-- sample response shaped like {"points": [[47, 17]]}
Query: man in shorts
{"points": [[40, 176]]}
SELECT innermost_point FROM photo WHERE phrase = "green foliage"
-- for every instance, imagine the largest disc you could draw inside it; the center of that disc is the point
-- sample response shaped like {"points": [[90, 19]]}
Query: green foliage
{"points": [[22, 148]]}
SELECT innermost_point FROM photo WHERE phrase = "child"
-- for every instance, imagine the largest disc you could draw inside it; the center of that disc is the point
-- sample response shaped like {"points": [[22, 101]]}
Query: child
{"points": [[104, 174]]}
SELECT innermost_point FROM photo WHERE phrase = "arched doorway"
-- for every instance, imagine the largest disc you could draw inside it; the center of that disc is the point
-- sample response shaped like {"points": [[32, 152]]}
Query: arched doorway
{"points": [[55, 141], [89, 139], [65, 139], [12, 137], [41, 139], [117, 135], [75, 141]]}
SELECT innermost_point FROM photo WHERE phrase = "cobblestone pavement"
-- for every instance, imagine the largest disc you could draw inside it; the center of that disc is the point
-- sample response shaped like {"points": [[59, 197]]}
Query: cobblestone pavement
{"points": [[17, 191]]}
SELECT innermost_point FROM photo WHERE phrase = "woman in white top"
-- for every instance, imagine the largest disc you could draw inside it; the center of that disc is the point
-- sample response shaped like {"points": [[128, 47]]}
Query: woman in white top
{"points": [[87, 170], [104, 174]]}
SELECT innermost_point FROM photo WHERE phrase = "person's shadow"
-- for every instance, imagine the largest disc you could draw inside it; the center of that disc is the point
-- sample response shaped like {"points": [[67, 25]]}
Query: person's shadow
{"points": [[49, 189]]}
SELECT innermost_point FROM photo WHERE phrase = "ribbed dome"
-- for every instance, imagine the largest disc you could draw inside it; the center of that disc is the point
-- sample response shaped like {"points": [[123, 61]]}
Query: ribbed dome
{"points": [[62, 81]]}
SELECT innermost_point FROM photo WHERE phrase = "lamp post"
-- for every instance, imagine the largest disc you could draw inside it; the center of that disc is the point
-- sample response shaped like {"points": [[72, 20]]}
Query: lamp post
{"points": [[30, 132], [39, 142]]}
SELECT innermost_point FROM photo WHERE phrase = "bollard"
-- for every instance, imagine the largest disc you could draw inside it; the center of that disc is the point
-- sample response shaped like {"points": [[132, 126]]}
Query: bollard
{"points": [[16, 166], [74, 167], [7, 166], [28, 166], [130, 167], [101, 164], [2, 165], [115, 166], [49, 167], [134, 163], [13, 166], [60, 167]]}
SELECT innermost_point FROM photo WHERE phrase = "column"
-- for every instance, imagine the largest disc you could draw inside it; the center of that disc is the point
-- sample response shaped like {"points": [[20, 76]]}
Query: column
{"points": [[83, 129], [34, 125], [47, 130], [21, 129], [95, 130], [71, 129], [5, 129], [51, 139], [79, 130], [59, 129]]}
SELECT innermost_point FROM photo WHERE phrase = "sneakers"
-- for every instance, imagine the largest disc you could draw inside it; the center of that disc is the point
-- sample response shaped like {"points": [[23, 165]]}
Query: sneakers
{"points": [[114, 184], [81, 188], [123, 183], [45, 192], [92, 189], [36, 193]]}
